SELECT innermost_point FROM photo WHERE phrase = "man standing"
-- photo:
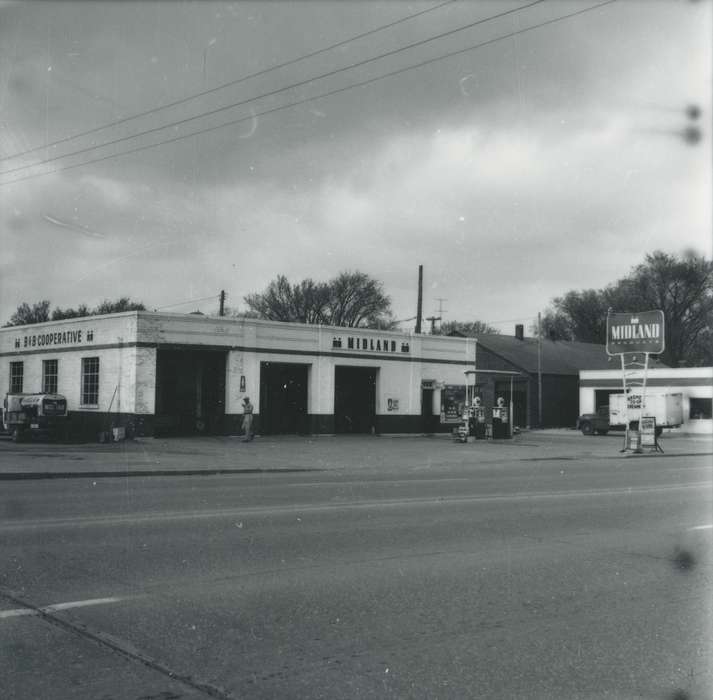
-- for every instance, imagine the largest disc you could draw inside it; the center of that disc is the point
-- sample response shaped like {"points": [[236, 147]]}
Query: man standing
{"points": [[247, 419]]}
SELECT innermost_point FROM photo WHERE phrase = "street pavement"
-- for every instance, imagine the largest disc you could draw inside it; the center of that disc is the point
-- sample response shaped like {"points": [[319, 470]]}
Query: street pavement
{"points": [[362, 453], [551, 566]]}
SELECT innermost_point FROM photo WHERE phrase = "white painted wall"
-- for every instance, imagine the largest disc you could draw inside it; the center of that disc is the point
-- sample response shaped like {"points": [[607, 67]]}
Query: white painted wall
{"points": [[128, 373], [118, 364]]}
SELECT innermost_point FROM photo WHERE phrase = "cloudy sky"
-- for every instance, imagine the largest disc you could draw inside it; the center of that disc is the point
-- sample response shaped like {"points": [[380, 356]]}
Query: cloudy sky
{"points": [[542, 161]]}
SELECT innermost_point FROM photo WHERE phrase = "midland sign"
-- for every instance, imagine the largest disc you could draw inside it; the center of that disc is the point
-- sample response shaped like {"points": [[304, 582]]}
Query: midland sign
{"points": [[635, 332]]}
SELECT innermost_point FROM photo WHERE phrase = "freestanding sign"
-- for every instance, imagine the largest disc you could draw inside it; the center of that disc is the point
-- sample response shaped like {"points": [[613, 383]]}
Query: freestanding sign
{"points": [[631, 335], [635, 333], [452, 403], [647, 430]]}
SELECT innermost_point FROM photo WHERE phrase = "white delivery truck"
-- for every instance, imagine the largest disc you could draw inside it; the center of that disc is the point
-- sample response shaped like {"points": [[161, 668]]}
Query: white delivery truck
{"points": [[667, 409]]}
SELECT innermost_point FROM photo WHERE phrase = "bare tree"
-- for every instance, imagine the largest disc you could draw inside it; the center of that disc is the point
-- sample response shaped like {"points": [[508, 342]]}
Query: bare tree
{"points": [[358, 301], [304, 302], [351, 299]]}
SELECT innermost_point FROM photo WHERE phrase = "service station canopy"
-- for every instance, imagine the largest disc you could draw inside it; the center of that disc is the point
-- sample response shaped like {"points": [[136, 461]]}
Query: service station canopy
{"points": [[641, 332]]}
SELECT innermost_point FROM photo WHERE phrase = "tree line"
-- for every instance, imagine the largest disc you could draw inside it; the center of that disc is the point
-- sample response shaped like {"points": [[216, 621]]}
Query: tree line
{"points": [[680, 286], [39, 312]]}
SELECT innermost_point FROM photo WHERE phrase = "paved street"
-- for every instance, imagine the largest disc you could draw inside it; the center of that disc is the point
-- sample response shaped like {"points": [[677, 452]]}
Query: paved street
{"points": [[547, 567]]}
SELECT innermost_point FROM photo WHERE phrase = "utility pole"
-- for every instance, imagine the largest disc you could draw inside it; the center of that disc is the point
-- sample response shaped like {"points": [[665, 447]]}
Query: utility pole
{"points": [[433, 320], [221, 311], [419, 307], [539, 369]]}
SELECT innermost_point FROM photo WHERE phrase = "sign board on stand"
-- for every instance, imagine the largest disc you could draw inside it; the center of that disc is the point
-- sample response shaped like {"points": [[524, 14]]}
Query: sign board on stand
{"points": [[631, 335], [452, 403], [647, 428]]}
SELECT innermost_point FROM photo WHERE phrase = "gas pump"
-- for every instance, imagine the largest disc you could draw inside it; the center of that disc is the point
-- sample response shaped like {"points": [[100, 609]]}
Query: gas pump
{"points": [[469, 419], [501, 419], [465, 427], [478, 419]]}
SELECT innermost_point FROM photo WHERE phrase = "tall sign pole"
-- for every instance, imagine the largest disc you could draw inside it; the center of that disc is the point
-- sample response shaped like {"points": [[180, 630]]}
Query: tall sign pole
{"points": [[632, 335]]}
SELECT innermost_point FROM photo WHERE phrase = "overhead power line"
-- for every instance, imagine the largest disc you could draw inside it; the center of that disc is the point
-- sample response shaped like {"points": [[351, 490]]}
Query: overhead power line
{"points": [[305, 100], [231, 83], [187, 301], [271, 93]]}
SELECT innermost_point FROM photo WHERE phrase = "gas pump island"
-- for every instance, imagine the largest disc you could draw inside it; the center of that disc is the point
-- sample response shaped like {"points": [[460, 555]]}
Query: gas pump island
{"points": [[475, 424]]}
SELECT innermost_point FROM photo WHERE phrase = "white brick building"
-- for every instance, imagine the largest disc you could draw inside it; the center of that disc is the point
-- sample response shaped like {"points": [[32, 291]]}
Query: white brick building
{"points": [[161, 373]]}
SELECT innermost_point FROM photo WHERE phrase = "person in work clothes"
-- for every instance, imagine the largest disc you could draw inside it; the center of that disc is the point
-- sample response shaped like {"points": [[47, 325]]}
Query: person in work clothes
{"points": [[247, 419]]}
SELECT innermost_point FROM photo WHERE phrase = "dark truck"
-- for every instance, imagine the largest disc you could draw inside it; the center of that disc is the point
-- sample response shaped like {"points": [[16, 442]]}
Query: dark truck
{"points": [[595, 423], [27, 414]]}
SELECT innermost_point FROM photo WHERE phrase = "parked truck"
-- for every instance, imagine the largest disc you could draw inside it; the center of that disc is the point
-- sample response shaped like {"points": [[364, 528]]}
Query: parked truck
{"points": [[42, 414], [666, 408]]}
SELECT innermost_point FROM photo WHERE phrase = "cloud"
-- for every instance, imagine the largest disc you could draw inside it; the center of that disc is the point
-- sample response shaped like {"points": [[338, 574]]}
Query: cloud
{"points": [[111, 192], [513, 174]]}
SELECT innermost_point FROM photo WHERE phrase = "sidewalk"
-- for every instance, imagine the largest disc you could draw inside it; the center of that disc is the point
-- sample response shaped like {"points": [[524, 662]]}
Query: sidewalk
{"points": [[286, 453]]}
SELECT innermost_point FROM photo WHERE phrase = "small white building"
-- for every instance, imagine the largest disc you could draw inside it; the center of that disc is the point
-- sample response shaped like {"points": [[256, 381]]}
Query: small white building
{"points": [[695, 383], [182, 374]]}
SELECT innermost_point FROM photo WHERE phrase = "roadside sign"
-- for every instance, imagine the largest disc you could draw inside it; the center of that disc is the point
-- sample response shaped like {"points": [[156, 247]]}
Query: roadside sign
{"points": [[452, 403], [635, 332], [647, 428]]}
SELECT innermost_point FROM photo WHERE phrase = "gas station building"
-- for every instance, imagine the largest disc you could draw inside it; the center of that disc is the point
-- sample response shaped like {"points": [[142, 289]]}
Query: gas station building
{"points": [[184, 374], [158, 373]]}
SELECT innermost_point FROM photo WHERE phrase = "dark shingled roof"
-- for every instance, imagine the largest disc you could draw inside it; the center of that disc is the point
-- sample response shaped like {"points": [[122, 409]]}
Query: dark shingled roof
{"points": [[558, 356]]}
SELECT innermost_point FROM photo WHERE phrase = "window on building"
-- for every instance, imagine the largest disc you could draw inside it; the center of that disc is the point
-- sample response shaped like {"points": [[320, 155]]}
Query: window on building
{"points": [[90, 381], [16, 374], [49, 376], [701, 408]]}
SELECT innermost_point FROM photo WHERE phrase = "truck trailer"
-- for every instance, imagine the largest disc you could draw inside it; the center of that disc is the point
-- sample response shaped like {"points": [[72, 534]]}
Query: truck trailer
{"points": [[623, 409]]}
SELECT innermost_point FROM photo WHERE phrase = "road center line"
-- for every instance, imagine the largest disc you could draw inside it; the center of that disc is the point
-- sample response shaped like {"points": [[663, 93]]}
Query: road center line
{"points": [[19, 612], [700, 527], [134, 519]]}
